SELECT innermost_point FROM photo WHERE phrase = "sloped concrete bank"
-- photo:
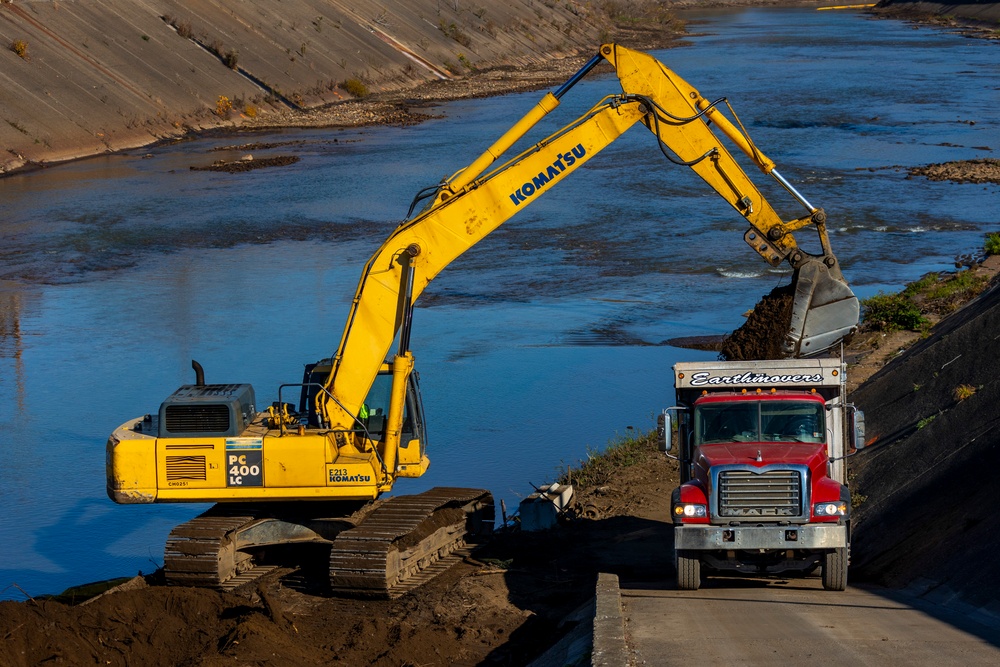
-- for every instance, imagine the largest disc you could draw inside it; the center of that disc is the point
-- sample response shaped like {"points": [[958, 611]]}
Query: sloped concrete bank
{"points": [[925, 490], [986, 12], [92, 76]]}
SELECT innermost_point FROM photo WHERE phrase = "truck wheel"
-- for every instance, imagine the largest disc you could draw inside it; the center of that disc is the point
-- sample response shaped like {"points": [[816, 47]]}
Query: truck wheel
{"points": [[688, 571], [835, 570]]}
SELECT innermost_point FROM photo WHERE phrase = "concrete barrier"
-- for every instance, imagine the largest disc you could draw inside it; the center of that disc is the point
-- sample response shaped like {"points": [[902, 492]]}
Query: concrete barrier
{"points": [[609, 624]]}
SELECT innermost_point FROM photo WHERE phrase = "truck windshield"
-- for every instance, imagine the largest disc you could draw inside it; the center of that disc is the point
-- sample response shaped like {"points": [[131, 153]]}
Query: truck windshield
{"points": [[759, 421]]}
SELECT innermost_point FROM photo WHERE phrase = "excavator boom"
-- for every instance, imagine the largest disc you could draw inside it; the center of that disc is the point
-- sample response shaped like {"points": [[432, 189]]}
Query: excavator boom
{"points": [[473, 203]]}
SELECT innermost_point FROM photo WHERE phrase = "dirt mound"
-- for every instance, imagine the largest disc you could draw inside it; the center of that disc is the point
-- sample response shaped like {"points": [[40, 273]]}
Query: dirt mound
{"points": [[248, 163], [984, 170], [514, 599], [157, 626], [762, 334]]}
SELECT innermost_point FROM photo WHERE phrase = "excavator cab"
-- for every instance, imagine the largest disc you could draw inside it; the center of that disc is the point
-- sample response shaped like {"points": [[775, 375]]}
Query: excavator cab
{"points": [[375, 410]]}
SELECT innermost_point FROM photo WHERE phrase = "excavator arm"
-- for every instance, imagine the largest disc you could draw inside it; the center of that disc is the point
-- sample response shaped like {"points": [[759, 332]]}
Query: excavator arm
{"points": [[824, 309], [474, 202]]}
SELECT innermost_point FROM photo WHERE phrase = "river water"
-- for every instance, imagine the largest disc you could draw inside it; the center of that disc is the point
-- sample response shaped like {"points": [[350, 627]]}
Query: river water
{"points": [[538, 346]]}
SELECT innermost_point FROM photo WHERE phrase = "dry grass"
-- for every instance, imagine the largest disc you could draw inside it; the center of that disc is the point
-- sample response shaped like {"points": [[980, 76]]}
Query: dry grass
{"points": [[20, 47], [624, 451], [964, 391]]}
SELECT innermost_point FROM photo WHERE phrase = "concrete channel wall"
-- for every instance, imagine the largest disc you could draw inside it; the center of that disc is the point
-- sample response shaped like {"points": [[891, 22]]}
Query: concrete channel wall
{"points": [[83, 77], [987, 12]]}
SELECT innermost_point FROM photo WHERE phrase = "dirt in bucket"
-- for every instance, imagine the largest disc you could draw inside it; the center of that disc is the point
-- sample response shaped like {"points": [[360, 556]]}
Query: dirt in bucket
{"points": [[762, 335]]}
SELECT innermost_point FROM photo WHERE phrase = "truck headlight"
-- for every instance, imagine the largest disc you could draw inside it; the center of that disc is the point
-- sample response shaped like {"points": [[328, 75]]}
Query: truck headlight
{"points": [[838, 508], [690, 510]]}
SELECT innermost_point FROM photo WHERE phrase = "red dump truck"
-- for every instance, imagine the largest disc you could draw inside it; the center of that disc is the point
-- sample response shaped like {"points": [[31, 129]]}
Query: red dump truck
{"points": [[761, 446]]}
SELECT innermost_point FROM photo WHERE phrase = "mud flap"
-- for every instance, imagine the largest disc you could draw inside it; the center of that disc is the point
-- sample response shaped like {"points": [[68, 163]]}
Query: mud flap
{"points": [[824, 310]]}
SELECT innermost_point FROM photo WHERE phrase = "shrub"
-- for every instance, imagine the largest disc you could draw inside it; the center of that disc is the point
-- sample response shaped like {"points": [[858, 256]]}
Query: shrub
{"points": [[231, 58], [456, 33], [355, 87], [891, 312], [184, 29], [250, 111], [992, 246], [223, 106], [20, 47]]}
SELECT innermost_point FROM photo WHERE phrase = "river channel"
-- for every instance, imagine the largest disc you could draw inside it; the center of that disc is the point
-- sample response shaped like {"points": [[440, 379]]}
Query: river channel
{"points": [[538, 346]]}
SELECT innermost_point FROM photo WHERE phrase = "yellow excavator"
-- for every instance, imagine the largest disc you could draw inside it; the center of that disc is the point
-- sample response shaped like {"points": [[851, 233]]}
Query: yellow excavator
{"points": [[311, 472]]}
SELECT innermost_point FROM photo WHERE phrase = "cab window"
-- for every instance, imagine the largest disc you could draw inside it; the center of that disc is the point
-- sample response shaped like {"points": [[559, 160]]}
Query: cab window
{"points": [[760, 421]]}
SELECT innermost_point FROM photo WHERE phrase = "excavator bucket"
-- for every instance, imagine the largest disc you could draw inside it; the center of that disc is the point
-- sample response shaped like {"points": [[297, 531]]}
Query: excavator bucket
{"points": [[824, 309]]}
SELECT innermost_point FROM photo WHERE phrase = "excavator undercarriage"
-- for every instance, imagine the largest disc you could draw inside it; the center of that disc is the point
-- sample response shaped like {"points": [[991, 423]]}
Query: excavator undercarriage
{"points": [[380, 549]]}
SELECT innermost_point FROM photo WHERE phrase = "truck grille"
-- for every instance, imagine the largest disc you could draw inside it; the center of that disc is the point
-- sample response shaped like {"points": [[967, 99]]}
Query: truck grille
{"points": [[186, 467], [775, 493], [210, 418]]}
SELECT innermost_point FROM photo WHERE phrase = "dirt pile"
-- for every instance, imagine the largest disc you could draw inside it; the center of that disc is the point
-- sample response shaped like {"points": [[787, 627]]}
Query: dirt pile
{"points": [[180, 626], [248, 163], [503, 606], [985, 170]]}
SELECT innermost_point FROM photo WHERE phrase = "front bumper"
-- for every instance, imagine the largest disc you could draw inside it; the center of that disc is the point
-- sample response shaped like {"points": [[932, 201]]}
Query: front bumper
{"points": [[715, 538]]}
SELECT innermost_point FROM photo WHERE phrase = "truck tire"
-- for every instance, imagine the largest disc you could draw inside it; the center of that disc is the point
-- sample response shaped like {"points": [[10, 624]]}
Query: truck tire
{"points": [[688, 571], [835, 570]]}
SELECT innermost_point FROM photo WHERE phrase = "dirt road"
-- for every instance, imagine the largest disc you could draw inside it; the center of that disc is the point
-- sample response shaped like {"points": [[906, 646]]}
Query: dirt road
{"points": [[793, 622]]}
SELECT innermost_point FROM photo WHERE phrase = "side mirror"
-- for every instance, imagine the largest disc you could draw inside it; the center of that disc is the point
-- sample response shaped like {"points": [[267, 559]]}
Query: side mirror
{"points": [[664, 432], [858, 428]]}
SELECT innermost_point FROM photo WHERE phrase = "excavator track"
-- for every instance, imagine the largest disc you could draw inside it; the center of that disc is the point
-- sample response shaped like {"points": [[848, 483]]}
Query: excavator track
{"points": [[397, 545], [408, 540], [202, 552]]}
